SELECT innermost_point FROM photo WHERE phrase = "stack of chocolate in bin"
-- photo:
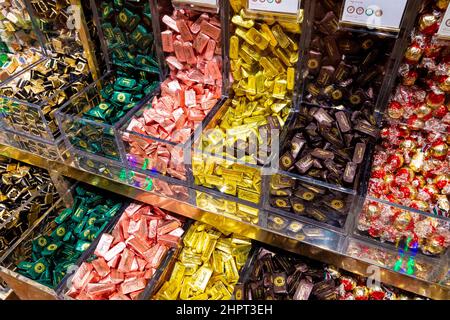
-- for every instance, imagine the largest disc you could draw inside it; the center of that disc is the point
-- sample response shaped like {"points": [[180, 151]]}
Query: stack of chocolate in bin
{"points": [[263, 59], [344, 67], [329, 144], [411, 163], [126, 259], [207, 267], [280, 276], [61, 241], [19, 45], [416, 139], [23, 187], [192, 46]]}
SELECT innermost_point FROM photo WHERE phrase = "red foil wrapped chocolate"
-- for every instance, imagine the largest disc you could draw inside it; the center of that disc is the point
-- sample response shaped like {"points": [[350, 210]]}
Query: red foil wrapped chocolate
{"points": [[421, 98], [412, 168], [396, 226]]}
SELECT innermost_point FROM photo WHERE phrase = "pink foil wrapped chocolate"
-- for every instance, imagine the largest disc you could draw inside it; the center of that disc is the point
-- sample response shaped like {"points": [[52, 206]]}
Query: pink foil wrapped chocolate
{"points": [[192, 45], [125, 260]]}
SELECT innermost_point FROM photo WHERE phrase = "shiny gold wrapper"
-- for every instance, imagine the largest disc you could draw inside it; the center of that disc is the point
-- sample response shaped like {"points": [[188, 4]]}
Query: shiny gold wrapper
{"points": [[207, 267], [263, 57]]}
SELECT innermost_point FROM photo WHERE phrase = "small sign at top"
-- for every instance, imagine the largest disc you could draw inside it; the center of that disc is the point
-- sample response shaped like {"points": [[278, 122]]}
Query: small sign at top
{"points": [[275, 6], [444, 29], [200, 3], [378, 14]]}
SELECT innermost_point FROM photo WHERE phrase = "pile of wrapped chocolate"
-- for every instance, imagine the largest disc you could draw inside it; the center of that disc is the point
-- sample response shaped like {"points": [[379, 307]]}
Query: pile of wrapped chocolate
{"points": [[298, 126], [411, 162], [280, 276]]}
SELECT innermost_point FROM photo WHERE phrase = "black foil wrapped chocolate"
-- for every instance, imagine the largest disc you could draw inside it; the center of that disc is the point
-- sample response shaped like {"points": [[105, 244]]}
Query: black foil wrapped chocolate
{"points": [[328, 144], [343, 67]]}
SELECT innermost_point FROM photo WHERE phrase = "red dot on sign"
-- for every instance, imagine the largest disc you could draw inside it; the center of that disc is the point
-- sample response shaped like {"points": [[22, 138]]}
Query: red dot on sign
{"points": [[360, 10], [278, 1], [351, 9]]}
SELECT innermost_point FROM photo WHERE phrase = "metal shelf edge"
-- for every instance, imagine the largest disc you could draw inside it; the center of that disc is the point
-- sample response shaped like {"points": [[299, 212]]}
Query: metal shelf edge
{"points": [[351, 264]]}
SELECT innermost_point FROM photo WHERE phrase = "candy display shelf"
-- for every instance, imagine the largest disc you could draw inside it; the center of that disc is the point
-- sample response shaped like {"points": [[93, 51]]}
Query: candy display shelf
{"points": [[340, 250], [6, 295]]}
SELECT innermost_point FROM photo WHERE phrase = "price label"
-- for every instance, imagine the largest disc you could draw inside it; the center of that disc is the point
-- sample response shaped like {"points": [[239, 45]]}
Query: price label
{"points": [[204, 3], [275, 6], [379, 14], [444, 29]]}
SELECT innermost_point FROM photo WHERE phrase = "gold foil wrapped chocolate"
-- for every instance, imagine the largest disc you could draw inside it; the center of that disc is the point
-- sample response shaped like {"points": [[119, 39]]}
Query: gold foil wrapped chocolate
{"points": [[263, 57], [207, 267]]}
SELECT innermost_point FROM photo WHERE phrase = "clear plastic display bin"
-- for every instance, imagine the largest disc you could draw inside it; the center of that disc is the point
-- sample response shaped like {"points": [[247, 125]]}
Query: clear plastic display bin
{"points": [[398, 227], [411, 168], [166, 187], [30, 100], [46, 226], [6, 138], [349, 63], [159, 136], [170, 157], [97, 165], [304, 231], [304, 199], [163, 186], [89, 122], [322, 165], [51, 150], [66, 285], [229, 207], [400, 260]]}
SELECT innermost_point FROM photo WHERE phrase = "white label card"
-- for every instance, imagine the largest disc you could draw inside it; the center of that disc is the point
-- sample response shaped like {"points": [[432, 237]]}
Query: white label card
{"points": [[444, 29], [380, 14], [275, 6], [207, 3]]}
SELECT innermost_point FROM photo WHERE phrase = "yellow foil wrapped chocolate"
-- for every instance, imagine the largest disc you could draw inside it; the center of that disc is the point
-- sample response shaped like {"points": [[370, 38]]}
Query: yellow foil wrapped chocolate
{"points": [[263, 53], [221, 259]]}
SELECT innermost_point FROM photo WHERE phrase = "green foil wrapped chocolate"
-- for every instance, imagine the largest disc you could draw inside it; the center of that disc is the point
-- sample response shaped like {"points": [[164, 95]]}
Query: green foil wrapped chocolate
{"points": [[67, 237]]}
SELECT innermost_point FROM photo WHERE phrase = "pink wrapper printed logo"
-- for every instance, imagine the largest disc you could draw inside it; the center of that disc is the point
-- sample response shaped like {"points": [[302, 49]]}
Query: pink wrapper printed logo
{"points": [[74, 17]]}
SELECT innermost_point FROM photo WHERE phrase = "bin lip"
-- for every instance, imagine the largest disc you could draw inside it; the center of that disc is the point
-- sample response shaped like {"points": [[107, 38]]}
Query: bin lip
{"points": [[63, 287], [306, 220], [62, 111], [196, 132], [44, 100], [30, 229], [53, 142]]}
